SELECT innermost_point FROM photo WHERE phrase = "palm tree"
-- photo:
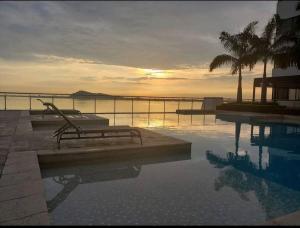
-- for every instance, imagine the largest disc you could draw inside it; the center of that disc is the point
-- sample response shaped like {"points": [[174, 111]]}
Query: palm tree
{"points": [[269, 48], [264, 48], [239, 47]]}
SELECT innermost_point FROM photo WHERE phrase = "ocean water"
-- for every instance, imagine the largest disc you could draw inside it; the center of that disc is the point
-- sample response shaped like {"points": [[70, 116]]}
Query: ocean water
{"points": [[236, 173]]}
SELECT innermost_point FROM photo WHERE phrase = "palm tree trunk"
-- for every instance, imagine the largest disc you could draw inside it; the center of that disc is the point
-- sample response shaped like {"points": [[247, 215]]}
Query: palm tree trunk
{"points": [[264, 86], [237, 136], [239, 90]]}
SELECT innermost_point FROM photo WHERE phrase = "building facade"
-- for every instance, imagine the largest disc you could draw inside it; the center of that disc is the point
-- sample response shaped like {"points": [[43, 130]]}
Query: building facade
{"points": [[285, 83], [289, 15]]}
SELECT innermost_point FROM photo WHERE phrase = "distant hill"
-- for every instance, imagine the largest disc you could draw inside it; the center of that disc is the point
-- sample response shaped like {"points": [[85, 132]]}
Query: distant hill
{"points": [[81, 94]]}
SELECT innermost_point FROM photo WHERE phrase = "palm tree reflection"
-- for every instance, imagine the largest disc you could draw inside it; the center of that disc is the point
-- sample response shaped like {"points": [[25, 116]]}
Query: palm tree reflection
{"points": [[277, 185]]}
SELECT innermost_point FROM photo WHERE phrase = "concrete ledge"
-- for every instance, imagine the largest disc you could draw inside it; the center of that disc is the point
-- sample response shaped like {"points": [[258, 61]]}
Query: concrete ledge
{"points": [[153, 143]]}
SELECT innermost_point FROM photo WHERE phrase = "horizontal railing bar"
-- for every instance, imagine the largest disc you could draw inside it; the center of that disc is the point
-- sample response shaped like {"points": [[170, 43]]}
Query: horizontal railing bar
{"points": [[127, 112]]}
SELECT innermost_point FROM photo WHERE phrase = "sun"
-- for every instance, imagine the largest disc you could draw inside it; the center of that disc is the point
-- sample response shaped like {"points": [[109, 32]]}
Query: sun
{"points": [[155, 72]]}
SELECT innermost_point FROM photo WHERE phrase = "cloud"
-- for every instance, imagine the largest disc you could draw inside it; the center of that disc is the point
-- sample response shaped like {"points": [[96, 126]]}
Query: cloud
{"points": [[88, 78], [162, 35], [55, 58], [156, 78], [113, 78]]}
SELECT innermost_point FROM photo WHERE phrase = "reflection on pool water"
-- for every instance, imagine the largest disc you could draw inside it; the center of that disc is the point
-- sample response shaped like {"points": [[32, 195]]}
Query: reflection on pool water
{"points": [[236, 173]]}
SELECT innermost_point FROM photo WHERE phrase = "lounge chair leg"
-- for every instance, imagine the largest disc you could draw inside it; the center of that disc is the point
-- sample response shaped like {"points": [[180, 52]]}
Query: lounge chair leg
{"points": [[140, 136], [58, 140]]}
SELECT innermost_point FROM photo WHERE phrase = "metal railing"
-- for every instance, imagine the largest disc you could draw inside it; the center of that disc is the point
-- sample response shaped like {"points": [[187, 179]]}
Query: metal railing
{"points": [[96, 98]]}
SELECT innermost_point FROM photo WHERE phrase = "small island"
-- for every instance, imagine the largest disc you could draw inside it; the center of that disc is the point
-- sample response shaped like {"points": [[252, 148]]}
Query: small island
{"points": [[81, 94]]}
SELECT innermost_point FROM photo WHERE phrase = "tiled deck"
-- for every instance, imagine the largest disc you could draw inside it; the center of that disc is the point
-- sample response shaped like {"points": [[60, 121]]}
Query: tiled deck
{"points": [[22, 200]]}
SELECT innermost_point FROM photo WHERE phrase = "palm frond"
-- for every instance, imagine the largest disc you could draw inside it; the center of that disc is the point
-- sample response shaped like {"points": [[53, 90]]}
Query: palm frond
{"points": [[250, 59], [221, 60], [270, 29], [246, 37], [230, 42], [234, 68], [250, 28]]}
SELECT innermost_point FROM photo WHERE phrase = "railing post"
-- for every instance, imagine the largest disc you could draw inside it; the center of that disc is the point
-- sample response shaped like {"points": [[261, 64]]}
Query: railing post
{"points": [[5, 102], [52, 100], [29, 102], [132, 111], [149, 112], [164, 112], [192, 107], [73, 103], [114, 111], [95, 105], [178, 112]]}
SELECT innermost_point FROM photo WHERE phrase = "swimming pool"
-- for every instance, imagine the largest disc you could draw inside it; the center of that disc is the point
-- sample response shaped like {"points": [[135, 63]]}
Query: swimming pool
{"points": [[237, 173]]}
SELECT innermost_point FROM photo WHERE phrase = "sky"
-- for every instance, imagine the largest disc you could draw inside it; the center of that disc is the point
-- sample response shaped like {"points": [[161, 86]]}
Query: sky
{"points": [[124, 48]]}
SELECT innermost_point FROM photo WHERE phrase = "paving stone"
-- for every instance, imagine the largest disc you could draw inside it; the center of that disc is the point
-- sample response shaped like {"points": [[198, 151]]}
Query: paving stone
{"points": [[37, 219], [4, 147], [20, 167], [27, 158], [21, 190], [21, 158], [4, 151], [18, 178], [5, 140], [21, 208]]}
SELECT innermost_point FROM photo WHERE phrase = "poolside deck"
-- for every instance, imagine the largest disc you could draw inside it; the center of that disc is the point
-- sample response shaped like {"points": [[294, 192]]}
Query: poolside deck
{"points": [[24, 148]]}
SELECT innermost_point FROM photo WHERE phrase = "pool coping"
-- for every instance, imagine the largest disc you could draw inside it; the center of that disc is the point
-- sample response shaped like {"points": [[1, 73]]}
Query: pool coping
{"points": [[263, 117]]}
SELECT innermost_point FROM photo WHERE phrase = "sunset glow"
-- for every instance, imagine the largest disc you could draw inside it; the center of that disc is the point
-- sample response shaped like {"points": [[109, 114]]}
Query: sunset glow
{"points": [[131, 48], [155, 73]]}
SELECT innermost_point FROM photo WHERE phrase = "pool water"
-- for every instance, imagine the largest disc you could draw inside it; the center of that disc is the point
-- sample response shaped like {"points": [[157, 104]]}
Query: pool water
{"points": [[236, 173]]}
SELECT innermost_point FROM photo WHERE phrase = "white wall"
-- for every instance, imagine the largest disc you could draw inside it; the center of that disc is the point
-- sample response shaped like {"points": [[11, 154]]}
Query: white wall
{"points": [[287, 9]]}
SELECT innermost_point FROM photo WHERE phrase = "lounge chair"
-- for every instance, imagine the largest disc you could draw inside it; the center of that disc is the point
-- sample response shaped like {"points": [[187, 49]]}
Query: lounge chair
{"points": [[50, 111], [78, 133]]}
